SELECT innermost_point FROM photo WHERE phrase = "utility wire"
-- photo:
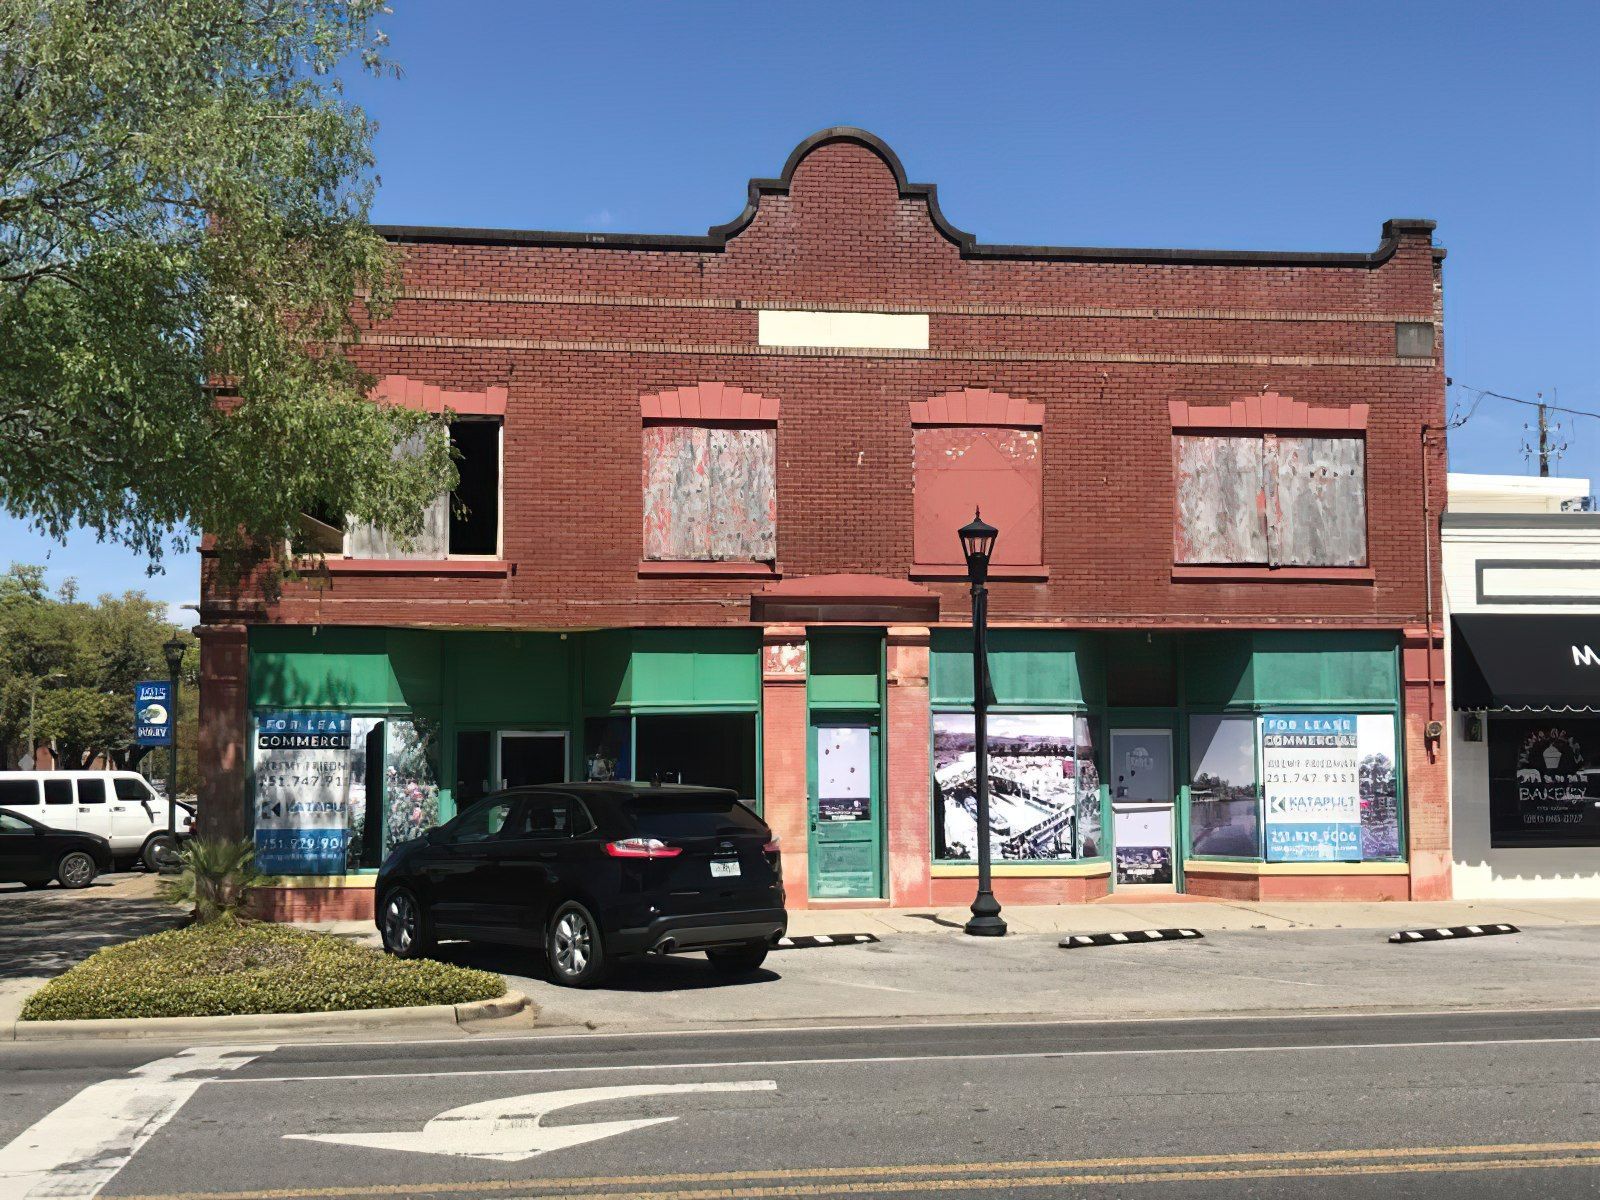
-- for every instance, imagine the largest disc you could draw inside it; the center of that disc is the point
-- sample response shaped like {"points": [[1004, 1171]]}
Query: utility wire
{"points": [[1483, 393]]}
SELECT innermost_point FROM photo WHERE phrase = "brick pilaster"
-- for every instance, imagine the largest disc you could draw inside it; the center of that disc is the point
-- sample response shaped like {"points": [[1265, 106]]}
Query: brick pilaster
{"points": [[906, 749], [1427, 781], [224, 739], [783, 752]]}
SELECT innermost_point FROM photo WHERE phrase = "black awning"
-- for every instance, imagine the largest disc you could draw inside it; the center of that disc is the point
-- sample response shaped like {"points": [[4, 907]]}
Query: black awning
{"points": [[1525, 662]]}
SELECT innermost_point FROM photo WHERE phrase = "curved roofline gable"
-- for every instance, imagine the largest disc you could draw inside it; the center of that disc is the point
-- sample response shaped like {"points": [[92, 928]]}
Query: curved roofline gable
{"points": [[860, 137], [716, 239]]}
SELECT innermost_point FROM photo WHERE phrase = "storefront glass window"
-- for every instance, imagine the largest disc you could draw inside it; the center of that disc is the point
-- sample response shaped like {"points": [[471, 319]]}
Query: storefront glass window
{"points": [[410, 779], [1224, 808], [709, 749], [1544, 781], [1035, 793]]}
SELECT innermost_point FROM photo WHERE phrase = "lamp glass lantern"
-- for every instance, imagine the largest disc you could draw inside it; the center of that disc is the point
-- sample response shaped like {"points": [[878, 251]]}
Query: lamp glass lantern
{"points": [[977, 545], [174, 650]]}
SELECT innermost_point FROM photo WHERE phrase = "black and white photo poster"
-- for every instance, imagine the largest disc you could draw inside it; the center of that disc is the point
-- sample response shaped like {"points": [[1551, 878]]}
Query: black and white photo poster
{"points": [[1033, 786]]}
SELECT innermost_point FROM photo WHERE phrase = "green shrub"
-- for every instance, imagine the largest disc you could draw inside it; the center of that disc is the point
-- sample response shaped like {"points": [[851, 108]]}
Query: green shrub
{"points": [[213, 970]]}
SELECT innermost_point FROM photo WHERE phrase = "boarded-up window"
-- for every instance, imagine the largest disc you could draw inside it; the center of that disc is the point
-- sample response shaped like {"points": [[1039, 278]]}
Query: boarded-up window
{"points": [[961, 468], [710, 494], [1271, 500]]}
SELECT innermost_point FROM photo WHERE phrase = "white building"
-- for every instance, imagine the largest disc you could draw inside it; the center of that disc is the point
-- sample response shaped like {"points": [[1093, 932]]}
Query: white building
{"points": [[1521, 563]]}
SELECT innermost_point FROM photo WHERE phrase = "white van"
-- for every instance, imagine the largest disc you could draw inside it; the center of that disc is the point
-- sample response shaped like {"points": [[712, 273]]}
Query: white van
{"points": [[120, 806]]}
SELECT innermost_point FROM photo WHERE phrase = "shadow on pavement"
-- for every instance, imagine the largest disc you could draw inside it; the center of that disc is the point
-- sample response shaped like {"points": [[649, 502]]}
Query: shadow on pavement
{"points": [[674, 973], [45, 932]]}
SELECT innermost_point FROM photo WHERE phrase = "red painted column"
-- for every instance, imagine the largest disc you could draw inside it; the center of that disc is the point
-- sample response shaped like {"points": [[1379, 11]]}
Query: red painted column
{"points": [[907, 721], [1427, 780], [224, 732], [784, 735]]}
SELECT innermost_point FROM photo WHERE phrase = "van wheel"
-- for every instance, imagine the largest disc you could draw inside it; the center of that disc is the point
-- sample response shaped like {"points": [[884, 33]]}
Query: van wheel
{"points": [[738, 960], [160, 853], [76, 870], [574, 947]]}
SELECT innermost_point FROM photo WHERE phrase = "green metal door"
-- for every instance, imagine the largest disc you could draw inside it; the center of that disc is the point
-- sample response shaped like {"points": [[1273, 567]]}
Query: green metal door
{"points": [[846, 809]]}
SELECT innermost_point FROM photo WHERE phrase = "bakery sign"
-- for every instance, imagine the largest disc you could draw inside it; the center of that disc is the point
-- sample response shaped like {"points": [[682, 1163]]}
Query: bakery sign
{"points": [[1544, 781]]}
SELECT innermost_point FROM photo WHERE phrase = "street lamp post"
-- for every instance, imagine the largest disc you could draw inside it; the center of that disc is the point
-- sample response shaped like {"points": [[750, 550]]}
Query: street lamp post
{"points": [[173, 648], [977, 544]]}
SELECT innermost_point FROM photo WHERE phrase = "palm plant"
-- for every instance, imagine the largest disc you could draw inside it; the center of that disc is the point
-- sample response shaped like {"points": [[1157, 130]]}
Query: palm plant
{"points": [[216, 877]]}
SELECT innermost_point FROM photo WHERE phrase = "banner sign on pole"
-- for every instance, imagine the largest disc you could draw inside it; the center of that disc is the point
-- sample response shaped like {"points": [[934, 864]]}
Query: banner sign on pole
{"points": [[152, 713], [1311, 777], [302, 774]]}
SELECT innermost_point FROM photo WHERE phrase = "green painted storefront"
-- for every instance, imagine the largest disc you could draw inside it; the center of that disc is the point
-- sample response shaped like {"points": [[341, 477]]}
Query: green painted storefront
{"points": [[627, 702]]}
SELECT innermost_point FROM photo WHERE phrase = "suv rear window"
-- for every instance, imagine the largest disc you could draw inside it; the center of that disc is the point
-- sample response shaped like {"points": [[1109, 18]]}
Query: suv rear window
{"points": [[695, 815], [19, 791]]}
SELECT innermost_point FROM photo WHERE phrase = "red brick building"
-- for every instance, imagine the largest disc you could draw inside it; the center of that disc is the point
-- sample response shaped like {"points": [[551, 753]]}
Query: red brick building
{"points": [[712, 487]]}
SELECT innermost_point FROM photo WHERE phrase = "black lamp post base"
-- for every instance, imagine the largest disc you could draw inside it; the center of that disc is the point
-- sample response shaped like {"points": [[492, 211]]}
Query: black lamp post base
{"points": [[986, 920]]}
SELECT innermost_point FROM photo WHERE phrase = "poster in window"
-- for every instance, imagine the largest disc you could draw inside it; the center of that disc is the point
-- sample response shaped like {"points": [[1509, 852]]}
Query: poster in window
{"points": [[1380, 801], [302, 784], [1224, 811], [410, 780], [1544, 781], [1033, 786], [1144, 844], [844, 773], [363, 847], [1310, 766], [1087, 817]]}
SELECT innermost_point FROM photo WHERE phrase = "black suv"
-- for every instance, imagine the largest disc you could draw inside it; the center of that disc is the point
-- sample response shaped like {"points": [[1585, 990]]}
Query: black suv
{"points": [[591, 872]]}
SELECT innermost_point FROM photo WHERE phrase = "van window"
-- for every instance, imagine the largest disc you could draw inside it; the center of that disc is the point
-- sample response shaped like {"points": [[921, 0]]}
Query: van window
{"points": [[131, 789], [19, 792], [58, 791], [91, 791]]}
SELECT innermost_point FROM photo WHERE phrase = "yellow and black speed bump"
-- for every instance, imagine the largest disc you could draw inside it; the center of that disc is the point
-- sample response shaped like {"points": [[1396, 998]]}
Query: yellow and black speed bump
{"points": [[1077, 941], [1449, 934]]}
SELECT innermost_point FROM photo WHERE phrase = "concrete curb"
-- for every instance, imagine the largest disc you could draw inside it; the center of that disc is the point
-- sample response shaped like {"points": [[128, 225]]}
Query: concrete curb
{"points": [[259, 1025]]}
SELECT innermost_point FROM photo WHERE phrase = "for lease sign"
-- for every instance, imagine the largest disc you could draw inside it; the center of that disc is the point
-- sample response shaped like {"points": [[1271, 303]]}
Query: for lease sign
{"points": [[302, 778], [1311, 777]]}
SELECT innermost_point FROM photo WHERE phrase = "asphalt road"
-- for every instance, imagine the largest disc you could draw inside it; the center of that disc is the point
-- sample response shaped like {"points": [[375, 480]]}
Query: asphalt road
{"points": [[1445, 1105]]}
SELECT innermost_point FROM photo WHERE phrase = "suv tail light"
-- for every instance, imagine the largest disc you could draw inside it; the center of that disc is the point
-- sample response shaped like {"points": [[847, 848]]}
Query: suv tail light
{"points": [[641, 847], [772, 846]]}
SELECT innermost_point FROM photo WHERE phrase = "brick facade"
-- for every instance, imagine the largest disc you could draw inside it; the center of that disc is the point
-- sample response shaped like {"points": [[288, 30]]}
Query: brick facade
{"points": [[579, 329]]}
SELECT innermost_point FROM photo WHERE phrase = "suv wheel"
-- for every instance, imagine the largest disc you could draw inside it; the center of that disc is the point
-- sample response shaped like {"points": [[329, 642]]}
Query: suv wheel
{"points": [[405, 925], [574, 947], [160, 853], [738, 960], [76, 869]]}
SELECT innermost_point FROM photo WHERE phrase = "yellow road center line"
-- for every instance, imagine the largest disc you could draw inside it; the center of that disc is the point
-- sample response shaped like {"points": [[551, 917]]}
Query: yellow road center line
{"points": [[1019, 1173]]}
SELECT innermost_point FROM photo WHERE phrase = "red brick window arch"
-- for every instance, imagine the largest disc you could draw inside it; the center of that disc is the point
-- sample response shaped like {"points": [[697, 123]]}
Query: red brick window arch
{"points": [[974, 449], [709, 476]]}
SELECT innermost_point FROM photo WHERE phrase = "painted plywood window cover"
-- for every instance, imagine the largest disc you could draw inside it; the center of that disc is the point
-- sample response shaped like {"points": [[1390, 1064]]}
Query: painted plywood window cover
{"points": [[1270, 500], [978, 449], [710, 494], [710, 475]]}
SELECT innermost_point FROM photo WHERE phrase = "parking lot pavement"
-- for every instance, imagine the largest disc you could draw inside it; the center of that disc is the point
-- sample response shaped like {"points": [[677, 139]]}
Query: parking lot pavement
{"points": [[42, 933], [1246, 972]]}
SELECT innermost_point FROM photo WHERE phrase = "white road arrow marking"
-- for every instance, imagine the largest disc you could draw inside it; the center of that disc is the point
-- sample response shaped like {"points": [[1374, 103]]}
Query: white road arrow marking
{"points": [[509, 1129], [75, 1150]]}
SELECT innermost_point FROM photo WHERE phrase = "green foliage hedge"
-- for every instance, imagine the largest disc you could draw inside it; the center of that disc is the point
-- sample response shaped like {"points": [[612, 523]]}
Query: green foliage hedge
{"points": [[215, 970]]}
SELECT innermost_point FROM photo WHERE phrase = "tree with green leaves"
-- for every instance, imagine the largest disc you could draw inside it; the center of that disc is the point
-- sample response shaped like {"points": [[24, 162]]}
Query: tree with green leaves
{"points": [[184, 256], [72, 665]]}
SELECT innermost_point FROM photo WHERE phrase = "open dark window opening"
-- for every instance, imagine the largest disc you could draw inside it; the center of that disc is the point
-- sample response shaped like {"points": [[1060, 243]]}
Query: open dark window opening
{"points": [[710, 749], [475, 504]]}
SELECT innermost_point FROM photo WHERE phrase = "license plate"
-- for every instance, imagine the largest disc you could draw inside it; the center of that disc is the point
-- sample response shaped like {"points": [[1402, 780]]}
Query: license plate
{"points": [[723, 870]]}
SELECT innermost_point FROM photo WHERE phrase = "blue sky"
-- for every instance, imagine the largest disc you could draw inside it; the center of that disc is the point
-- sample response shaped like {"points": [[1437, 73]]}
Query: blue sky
{"points": [[1271, 126]]}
